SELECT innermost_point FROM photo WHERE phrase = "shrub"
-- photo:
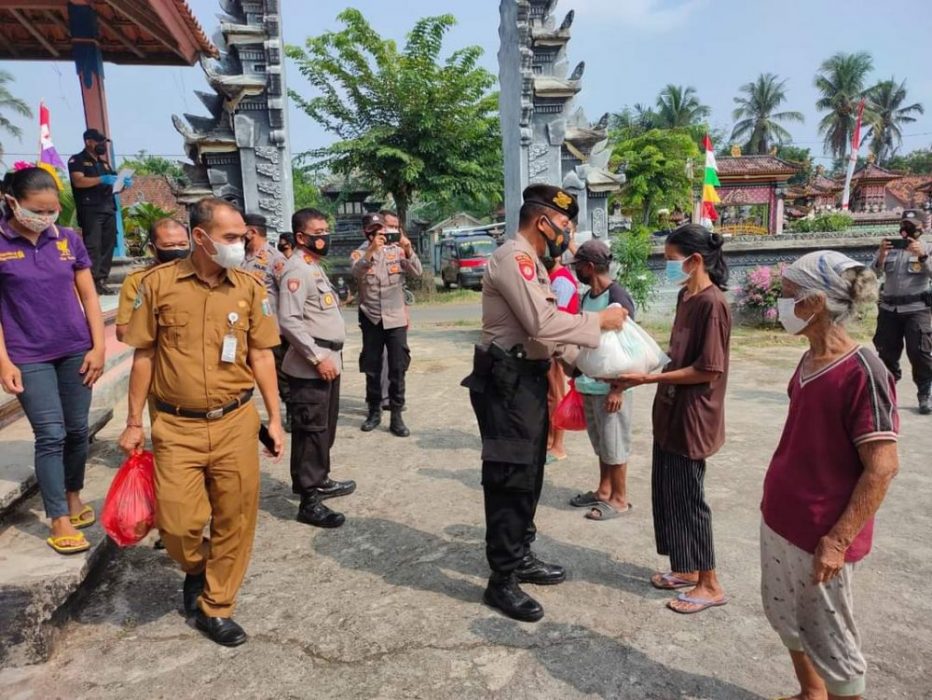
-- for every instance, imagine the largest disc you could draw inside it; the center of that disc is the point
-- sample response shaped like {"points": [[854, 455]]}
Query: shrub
{"points": [[631, 251], [758, 295], [829, 221]]}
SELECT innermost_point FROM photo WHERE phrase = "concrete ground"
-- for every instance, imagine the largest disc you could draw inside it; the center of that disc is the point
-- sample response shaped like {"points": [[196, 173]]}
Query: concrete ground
{"points": [[388, 606]]}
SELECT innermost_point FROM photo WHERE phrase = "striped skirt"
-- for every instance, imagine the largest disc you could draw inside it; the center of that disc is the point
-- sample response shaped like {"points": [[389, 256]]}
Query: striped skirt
{"points": [[682, 519]]}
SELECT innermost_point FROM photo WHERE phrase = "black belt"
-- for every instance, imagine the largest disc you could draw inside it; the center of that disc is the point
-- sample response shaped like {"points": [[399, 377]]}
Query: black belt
{"points": [[212, 414], [903, 300], [531, 368], [329, 344]]}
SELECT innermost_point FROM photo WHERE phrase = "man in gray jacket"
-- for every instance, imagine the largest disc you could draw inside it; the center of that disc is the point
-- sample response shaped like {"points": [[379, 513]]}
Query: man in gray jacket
{"points": [[905, 302], [310, 319]]}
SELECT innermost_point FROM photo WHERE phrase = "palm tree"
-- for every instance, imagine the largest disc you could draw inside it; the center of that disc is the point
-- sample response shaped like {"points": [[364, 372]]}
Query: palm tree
{"points": [[756, 114], [678, 107], [841, 80], [11, 103], [889, 113]]}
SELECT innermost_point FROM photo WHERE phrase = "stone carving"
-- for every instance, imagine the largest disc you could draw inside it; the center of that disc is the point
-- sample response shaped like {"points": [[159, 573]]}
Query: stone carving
{"points": [[240, 152], [545, 137]]}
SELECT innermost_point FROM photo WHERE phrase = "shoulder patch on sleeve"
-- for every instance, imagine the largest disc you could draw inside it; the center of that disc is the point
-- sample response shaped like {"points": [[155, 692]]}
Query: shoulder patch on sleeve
{"points": [[140, 293], [294, 285], [266, 307], [526, 266]]}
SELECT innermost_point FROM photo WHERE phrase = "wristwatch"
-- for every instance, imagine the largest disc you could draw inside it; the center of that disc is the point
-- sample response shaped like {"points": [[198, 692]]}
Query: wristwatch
{"points": [[314, 360]]}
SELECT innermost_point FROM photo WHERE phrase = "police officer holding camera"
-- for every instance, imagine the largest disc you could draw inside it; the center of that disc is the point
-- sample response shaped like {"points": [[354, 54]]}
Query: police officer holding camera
{"points": [[522, 329], [905, 314]]}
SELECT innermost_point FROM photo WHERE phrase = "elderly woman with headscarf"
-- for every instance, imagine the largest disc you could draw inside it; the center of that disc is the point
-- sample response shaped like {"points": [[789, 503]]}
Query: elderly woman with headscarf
{"points": [[828, 477]]}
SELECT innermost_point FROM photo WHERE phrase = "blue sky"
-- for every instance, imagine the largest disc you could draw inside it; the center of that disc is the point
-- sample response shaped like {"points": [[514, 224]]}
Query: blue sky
{"points": [[632, 48]]}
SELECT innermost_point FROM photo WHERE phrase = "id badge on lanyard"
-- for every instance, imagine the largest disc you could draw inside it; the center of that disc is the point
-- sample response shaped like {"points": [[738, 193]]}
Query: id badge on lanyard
{"points": [[228, 351]]}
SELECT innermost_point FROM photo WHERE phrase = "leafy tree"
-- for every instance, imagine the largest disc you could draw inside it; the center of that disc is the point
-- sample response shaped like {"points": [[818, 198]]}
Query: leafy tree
{"points": [[307, 190], [631, 251], [633, 121], [919, 162], [756, 115], [10, 103], [678, 106], [136, 222], [405, 119], [801, 157], [842, 81], [889, 113], [656, 168], [144, 164]]}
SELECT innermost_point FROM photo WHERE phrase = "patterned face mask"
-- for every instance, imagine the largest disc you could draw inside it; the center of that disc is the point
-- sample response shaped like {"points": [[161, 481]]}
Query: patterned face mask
{"points": [[36, 223]]}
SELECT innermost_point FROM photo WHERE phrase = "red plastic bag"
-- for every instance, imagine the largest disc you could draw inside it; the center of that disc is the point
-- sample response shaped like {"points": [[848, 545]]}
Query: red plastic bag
{"points": [[129, 508], [569, 414]]}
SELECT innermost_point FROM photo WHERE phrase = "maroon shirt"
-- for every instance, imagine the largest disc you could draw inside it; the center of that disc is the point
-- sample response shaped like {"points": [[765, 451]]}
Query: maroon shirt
{"points": [[689, 419], [40, 312], [816, 466]]}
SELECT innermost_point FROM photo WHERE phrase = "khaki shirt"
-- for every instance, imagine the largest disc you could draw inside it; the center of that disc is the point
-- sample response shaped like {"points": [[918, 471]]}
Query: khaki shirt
{"points": [[186, 321], [904, 275], [519, 307], [128, 295], [381, 283], [267, 264], [308, 310]]}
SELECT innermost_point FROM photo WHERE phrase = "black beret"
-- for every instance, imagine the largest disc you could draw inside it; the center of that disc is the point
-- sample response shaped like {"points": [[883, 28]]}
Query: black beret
{"points": [[555, 198]]}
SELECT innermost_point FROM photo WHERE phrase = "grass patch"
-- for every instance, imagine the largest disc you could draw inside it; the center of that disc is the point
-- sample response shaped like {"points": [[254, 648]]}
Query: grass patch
{"points": [[455, 296]]}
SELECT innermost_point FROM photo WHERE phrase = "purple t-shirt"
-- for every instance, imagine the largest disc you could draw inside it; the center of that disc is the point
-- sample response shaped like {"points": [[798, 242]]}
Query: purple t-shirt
{"points": [[40, 312]]}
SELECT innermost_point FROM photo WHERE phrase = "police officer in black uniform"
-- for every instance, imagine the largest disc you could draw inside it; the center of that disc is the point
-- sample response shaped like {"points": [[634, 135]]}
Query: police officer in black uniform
{"points": [[522, 329], [92, 181]]}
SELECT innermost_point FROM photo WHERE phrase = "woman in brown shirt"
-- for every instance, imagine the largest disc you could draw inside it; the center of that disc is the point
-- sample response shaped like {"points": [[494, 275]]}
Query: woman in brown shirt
{"points": [[689, 417]]}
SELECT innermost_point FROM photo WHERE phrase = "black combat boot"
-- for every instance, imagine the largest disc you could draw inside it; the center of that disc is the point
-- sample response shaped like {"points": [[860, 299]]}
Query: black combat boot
{"points": [[503, 593], [313, 512], [192, 589], [533, 570], [374, 419], [925, 403], [286, 419], [397, 426]]}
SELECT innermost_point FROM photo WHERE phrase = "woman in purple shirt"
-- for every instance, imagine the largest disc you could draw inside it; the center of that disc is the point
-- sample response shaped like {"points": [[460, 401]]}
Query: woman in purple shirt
{"points": [[51, 344]]}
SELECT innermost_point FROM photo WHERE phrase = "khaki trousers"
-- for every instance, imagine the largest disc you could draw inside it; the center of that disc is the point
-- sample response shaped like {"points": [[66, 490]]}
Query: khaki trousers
{"points": [[208, 471]]}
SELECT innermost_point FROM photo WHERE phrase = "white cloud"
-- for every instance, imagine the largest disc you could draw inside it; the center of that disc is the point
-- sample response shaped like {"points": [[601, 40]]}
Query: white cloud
{"points": [[647, 15]]}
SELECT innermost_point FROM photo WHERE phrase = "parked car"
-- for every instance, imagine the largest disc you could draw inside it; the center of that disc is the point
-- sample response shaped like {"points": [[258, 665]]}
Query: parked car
{"points": [[463, 259]]}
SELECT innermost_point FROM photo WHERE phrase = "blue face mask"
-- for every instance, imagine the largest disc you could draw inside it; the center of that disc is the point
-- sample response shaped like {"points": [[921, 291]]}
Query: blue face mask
{"points": [[675, 272]]}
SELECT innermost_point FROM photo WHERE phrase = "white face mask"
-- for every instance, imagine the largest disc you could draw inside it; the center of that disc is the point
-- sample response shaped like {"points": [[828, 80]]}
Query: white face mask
{"points": [[786, 311], [228, 255]]}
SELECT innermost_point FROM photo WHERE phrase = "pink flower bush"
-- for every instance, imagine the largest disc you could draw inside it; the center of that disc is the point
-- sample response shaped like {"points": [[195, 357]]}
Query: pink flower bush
{"points": [[759, 293]]}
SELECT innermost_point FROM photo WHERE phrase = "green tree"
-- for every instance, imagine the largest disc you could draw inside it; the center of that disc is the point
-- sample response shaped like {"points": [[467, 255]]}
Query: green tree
{"points": [[918, 162], [801, 157], [307, 190], [890, 112], [657, 173], [633, 121], [137, 219], [404, 118], [757, 116], [842, 82], [678, 107], [144, 164], [631, 251], [10, 103]]}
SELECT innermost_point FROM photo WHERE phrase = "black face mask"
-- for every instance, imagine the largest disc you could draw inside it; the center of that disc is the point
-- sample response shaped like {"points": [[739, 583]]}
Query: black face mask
{"points": [[318, 245], [583, 277], [560, 242], [169, 254], [100, 149]]}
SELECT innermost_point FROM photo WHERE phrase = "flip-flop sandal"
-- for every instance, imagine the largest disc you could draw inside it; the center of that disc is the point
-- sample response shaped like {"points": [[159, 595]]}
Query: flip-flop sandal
{"points": [[60, 546], [703, 604], [584, 500], [671, 582], [607, 511], [80, 521]]}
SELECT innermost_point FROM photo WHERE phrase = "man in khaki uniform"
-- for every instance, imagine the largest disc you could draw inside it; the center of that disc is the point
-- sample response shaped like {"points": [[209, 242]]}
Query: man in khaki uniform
{"points": [[168, 240], [522, 329], [380, 271], [310, 319], [203, 332]]}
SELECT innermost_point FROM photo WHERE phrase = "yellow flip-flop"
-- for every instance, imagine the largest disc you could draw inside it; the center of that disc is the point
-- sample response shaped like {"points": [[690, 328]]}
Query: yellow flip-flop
{"points": [[80, 522], [60, 544]]}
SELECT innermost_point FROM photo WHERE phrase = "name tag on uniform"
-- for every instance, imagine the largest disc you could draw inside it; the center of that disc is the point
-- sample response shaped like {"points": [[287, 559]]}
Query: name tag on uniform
{"points": [[228, 351]]}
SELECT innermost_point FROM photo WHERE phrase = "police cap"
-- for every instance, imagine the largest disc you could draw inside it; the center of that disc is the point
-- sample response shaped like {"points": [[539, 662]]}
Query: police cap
{"points": [[94, 135], [256, 221], [555, 198], [914, 216], [370, 222]]}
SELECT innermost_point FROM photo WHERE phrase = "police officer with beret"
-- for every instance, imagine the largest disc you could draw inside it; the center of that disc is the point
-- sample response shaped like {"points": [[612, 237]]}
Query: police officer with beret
{"points": [[92, 181], [310, 319], [522, 329], [905, 313]]}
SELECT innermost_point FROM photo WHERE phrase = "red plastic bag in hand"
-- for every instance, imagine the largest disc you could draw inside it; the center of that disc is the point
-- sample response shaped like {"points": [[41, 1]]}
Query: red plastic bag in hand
{"points": [[129, 509], [569, 414]]}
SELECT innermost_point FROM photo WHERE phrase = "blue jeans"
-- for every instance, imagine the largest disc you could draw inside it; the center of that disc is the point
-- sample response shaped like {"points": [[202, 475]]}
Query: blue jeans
{"points": [[57, 404]]}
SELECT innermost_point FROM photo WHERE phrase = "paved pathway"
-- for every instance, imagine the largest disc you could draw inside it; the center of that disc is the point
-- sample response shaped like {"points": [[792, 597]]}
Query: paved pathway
{"points": [[387, 606]]}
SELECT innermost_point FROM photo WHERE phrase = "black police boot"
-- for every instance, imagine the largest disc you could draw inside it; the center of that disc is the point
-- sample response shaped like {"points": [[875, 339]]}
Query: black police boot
{"points": [[313, 512], [925, 404], [504, 593], [222, 630], [332, 489], [374, 419], [193, 587], [533, 570], [397, 426], [286, 419]]}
